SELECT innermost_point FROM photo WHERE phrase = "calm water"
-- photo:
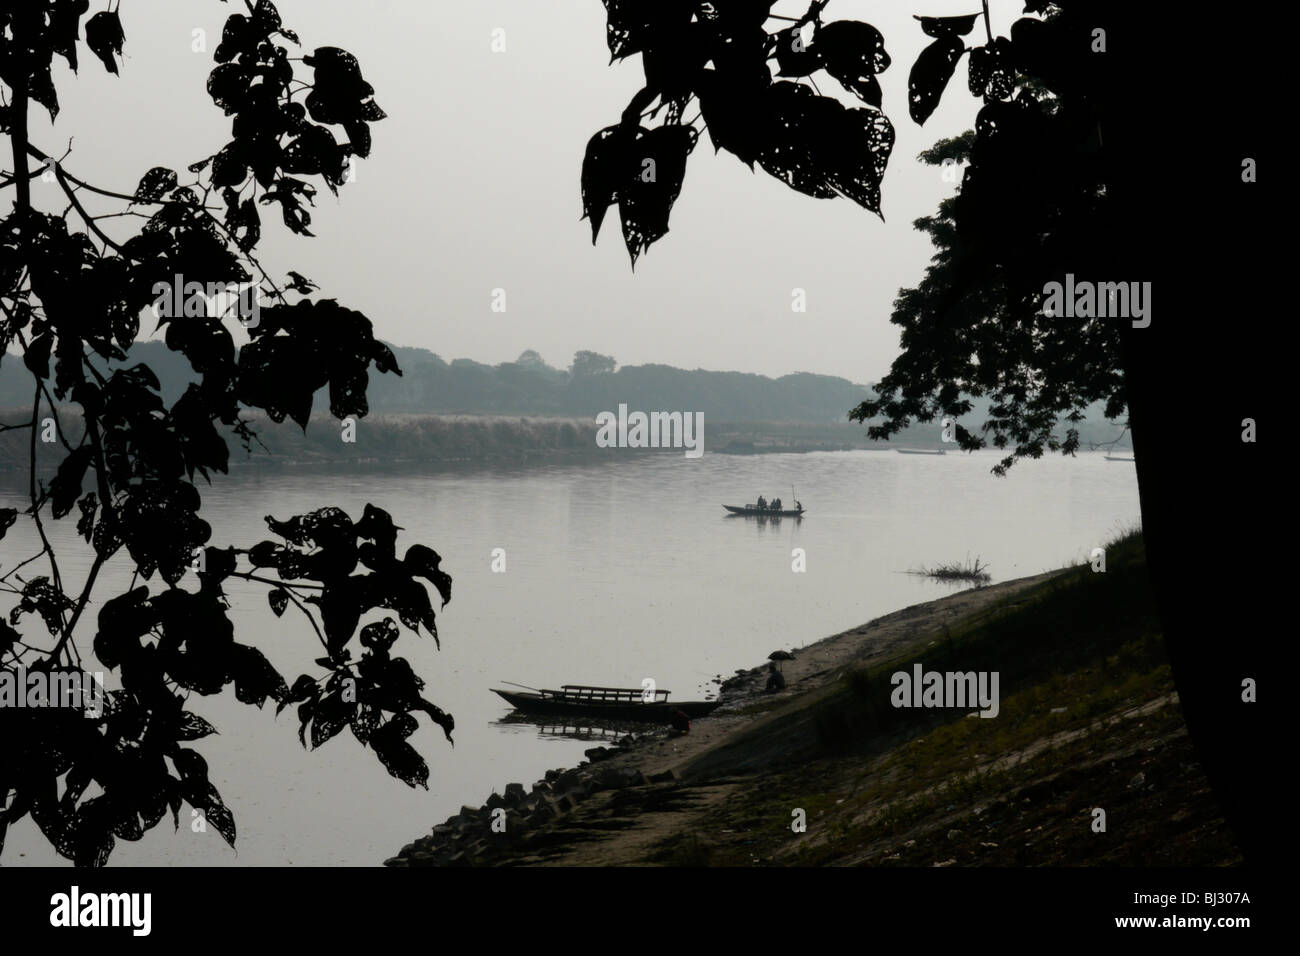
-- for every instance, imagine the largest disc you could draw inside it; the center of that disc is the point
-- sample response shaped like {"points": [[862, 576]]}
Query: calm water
{"points": [[614, 573]]}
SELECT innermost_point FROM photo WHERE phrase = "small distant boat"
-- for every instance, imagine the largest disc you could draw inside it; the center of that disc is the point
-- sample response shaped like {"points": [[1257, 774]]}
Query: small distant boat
{"points": [[610, 703], [754, 511], [1117, 458], [918, 451]]}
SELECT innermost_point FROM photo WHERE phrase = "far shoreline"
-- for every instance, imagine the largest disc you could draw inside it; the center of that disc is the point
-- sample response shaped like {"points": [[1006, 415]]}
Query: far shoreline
{"points": [[459, 440]]}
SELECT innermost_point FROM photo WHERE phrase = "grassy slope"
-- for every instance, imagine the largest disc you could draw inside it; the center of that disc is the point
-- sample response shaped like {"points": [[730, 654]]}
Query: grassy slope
{"points": [[1089, 718]]}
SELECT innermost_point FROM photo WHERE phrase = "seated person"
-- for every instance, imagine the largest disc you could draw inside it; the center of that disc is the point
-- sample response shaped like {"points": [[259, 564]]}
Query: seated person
{"points": [[775, 679]]}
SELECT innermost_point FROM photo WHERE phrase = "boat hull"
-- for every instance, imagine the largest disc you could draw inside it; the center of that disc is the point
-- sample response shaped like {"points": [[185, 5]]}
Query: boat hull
{"points": [[751, 512], [659, 712]]}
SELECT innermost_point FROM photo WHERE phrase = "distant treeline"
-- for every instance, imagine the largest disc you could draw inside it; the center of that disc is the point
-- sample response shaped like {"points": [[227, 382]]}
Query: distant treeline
{"points": [[392, 440], [386, 440], [524, 411], [529, 386]]}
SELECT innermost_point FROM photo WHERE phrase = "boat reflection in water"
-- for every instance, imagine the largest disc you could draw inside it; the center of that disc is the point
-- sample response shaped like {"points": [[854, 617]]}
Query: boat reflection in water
{"points": [[583, 728]]}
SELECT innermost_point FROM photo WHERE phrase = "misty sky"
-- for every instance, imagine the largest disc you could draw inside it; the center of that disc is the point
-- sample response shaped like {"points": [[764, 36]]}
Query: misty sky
{"points": [[473, 184]]}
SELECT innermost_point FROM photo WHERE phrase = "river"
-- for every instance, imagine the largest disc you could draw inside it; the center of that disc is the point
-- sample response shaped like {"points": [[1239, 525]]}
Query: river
{"points": [[613, 572]]}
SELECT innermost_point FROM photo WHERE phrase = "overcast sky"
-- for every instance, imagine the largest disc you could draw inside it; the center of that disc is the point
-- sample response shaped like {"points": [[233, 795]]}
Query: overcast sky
{"points": [[473, 184]]}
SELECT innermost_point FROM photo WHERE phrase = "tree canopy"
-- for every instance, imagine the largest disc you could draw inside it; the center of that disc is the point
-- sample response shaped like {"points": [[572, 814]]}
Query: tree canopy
{"points": [[717, 55], [978, 330], [591, 363], [1078, 163], [1030, 206], [73, 288]]}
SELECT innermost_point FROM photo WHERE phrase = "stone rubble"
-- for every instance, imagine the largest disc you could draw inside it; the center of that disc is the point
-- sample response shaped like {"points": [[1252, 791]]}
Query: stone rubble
{"points": [[469, 838]]}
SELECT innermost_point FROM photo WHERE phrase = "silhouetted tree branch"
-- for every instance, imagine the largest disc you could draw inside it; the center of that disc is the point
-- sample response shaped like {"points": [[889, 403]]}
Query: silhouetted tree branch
{"points": [[66, 297]]}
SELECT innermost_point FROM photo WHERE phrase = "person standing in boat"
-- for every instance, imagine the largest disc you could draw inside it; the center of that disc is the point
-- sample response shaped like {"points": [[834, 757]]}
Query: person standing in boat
{"points": [[776, 504], [762, 503]]}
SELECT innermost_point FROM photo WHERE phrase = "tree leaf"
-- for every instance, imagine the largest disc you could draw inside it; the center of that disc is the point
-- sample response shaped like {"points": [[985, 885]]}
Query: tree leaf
{"points": [[439, 717], [303, 689], [991, 71], [192, 727], [156, 183], [228, 86], [930, 75], [190, 765], [398, 757], [606, 169], [381, 635], [633, 25], [944, 27], [266, 17], [104, 36], [736, 113], [422, 561], [65, 28], [40, 87], [7, 518], [278, 599], [659, 167], [853, 53], [215, 812], [66, 487], [86, 523], [228, 169], [867, 140], [255, 678], [800, 147], [331, 714], [364, 722]]}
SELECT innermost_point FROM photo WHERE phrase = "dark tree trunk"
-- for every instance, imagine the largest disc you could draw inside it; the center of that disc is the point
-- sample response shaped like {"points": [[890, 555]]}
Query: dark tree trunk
{"points": [[1186, 221]]}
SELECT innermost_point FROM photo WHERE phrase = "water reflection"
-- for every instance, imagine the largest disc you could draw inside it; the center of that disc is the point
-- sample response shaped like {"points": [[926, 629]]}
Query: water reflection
{"points": [[761, 519], [586, 728]]}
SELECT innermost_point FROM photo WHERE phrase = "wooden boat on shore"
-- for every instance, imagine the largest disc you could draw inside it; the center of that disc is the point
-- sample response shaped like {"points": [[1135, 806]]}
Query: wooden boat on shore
{"points": [[609, 703], [753, 511], [920, 451], [1117, 458]]}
